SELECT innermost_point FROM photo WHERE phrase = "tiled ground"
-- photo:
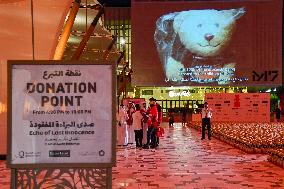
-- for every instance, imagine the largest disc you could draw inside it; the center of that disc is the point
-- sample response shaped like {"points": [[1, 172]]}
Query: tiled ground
{"points": [[184, 161]]}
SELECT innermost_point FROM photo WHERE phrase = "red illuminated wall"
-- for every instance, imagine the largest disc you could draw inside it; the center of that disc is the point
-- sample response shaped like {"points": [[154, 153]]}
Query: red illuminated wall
{"points": [[239, 107]]}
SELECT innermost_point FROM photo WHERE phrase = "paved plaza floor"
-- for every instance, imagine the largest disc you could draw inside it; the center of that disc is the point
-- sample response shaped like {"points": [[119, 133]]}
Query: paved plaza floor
{"points": [[184, 161]]}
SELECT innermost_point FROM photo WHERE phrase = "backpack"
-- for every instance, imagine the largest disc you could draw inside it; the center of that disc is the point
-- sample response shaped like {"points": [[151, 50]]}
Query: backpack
{"points": [[145, 117]]}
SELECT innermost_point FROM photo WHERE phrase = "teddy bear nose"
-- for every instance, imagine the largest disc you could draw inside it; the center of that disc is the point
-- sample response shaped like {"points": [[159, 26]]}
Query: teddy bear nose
{"points": [[209, 37]]}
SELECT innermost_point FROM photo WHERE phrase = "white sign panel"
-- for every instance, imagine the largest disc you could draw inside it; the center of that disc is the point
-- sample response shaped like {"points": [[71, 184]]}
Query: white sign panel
{"points": [[61, 114]]}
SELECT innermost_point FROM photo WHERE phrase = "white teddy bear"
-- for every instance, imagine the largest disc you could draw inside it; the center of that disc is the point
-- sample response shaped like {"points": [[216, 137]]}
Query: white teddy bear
{"points": [[205, 34]]}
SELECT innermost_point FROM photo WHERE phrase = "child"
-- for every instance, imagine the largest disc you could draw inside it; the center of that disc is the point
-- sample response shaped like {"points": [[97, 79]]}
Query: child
{"points": [[137, 126]]}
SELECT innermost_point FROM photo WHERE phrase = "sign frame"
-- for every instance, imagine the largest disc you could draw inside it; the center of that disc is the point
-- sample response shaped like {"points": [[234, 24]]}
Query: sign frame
{"points": [[110, 164]]}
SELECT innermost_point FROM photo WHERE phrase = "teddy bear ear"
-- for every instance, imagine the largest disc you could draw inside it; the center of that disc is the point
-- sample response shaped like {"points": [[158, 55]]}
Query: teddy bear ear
{"points": [[179, 18], [237, 13], [233, 14]]}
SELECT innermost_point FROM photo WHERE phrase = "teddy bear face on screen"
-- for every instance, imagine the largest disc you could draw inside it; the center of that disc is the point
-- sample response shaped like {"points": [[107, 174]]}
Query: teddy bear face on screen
{"points": [[202, 33], [206, 32]]}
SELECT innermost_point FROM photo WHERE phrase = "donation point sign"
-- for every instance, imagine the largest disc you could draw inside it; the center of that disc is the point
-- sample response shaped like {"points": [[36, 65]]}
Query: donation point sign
{"points": [[61, 114]]}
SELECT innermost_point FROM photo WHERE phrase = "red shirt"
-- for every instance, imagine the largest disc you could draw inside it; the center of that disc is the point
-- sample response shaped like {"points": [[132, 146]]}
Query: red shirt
{"points": [[153, 113]]}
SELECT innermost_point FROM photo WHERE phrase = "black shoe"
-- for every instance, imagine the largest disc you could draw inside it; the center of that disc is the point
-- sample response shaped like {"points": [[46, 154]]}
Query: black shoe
{"points": [[145, 147], [202, 138]]}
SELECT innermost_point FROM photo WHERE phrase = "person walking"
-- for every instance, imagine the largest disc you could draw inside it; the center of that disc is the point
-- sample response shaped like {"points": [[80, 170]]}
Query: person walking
{"points": [[122, 117], [152, 125], [206, 114], [137, 126], [171, 116], [160, 119], [144, 122], [278, 113], [130, 111], [184, 112]]}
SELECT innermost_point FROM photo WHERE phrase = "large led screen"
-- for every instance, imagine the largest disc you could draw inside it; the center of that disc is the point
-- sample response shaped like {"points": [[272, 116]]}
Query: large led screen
{"points": [[207, 42]]}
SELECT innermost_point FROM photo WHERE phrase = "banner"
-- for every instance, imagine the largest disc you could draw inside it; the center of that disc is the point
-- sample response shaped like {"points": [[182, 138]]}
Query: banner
{"points": [[239, 107], [61, 114]]}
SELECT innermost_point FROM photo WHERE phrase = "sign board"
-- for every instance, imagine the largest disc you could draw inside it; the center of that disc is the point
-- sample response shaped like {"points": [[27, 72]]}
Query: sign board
{"points": [[239, 107], [61, 114]]}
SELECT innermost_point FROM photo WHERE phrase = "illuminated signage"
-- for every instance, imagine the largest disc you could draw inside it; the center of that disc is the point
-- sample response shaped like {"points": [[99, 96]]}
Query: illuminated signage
{"points": [[182, 93]]}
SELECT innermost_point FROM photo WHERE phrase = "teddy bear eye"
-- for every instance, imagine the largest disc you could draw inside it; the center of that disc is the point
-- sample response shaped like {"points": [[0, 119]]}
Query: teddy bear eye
{"points": [[199, 25], [217, 25]]}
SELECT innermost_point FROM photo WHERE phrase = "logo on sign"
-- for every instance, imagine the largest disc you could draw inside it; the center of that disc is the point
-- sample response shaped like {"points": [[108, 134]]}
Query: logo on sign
{"points": [[59, 153], [183, 93], [101, 153], [237, 102], [265, 76], [21, 154]]}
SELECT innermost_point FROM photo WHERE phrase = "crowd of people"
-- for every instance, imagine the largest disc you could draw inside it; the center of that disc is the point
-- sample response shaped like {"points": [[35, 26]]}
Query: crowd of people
{"points": [[139, 124]]}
